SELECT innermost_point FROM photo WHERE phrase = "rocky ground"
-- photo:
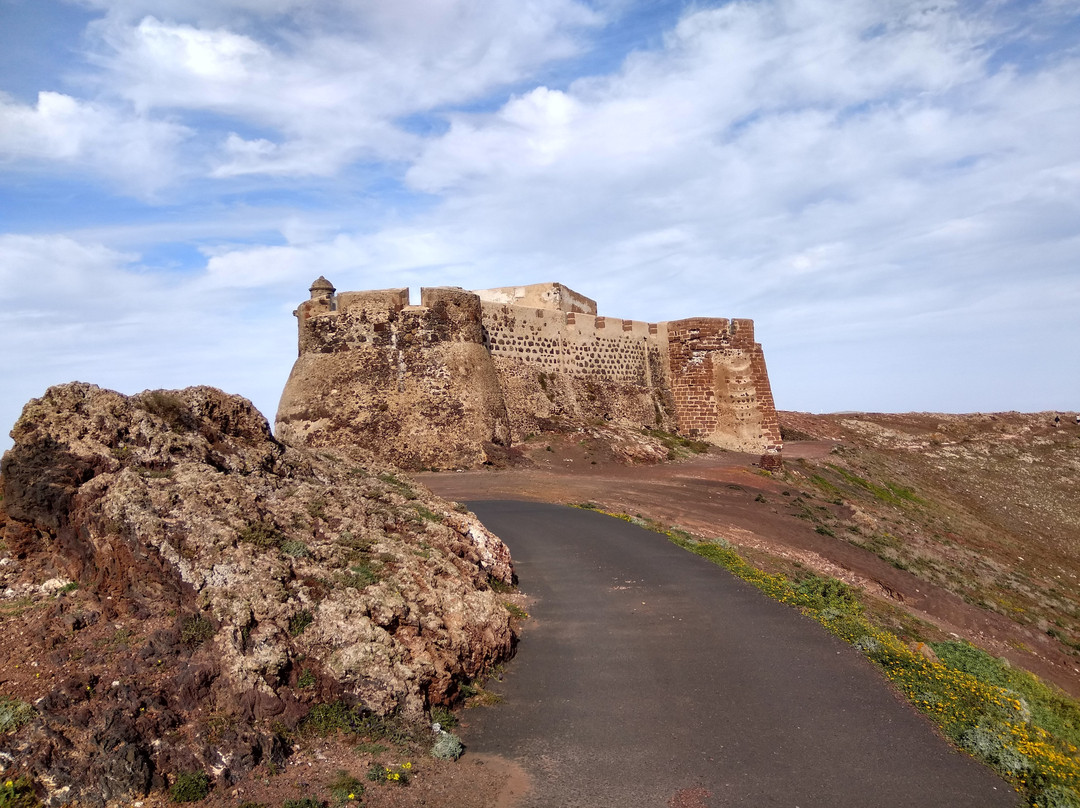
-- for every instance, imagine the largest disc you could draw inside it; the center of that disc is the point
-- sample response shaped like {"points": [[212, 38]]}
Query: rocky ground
{"points": [[182, 595]]}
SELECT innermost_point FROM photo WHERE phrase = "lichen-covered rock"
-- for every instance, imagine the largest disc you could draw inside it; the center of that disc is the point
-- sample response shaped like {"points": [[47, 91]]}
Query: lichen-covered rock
{"points": [[224, 574]]}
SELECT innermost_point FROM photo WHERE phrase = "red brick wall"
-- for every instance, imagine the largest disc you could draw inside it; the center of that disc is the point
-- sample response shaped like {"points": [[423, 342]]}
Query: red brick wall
{"points": [[696, 346], [690, 345], [770, 423]]}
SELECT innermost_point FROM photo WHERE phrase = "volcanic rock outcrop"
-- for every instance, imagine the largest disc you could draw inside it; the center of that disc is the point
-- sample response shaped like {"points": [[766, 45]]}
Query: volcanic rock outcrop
{"points": [[191, 587]]}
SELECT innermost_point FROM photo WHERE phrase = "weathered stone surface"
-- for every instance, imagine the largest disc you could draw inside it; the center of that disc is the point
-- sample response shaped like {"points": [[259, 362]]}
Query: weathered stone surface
{"points": [[218, 566], [414, 384]]}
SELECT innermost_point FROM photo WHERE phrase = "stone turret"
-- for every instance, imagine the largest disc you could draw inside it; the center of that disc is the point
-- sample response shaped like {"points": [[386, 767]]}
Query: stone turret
{"points": [[321, 288], [414, 384]]}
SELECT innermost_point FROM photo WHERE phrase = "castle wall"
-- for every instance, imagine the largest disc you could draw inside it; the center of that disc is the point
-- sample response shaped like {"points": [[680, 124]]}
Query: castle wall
{"points": [[540, 296], [581, 368], [624, 351], [440, 384]]}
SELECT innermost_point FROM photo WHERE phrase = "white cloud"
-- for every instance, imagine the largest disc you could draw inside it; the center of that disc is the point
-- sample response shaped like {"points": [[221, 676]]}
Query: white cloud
{"points": [[73, 310], [132, 150], [330, 86]]}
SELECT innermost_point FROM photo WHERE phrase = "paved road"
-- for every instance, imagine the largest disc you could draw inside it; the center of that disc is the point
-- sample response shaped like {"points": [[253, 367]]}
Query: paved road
{"points": [[651, 677]]}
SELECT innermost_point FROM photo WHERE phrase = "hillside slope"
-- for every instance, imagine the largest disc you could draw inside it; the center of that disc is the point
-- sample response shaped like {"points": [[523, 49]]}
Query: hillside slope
{"points": [[986, 506]]}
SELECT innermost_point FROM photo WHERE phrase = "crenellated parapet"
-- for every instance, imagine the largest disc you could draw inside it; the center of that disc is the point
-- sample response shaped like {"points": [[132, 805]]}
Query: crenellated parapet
{"points": [[444, 383]]}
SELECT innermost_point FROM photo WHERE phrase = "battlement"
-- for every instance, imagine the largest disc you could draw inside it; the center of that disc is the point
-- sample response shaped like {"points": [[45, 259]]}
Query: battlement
{"points": [[550, 354]]}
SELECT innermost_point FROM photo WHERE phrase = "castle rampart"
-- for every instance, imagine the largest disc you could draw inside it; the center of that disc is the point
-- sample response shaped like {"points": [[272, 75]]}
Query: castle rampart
{"points": [[470, 371]]}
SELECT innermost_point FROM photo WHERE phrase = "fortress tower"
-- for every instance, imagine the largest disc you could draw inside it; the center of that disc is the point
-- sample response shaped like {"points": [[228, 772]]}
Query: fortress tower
{"points": [[447, 383]]}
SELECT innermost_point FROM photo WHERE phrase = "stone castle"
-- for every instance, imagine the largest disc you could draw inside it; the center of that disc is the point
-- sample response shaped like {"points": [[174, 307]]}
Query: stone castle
{"points": [[455, 381]]}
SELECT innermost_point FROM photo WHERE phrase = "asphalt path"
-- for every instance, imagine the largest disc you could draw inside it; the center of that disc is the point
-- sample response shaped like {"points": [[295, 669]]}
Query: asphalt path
{"points": [[649, 676]]}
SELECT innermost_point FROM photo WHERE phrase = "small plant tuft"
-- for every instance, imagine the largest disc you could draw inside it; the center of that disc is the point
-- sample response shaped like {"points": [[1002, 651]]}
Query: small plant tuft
{"points": [[326, 719], [14, 713], [300, 621], [361, 574], [447, 747], [345, 788], [262, 534], [443, 717], [516, 611], [500, 586], [195, 630], [171, 409], [190, 787], [295, 548], [18, 793]]}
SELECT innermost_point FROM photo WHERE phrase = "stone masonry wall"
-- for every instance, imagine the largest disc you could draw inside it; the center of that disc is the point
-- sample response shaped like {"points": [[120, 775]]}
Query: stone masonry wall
{"points": [[720, 384], [624, 351], [433, 385], [414, 384]]}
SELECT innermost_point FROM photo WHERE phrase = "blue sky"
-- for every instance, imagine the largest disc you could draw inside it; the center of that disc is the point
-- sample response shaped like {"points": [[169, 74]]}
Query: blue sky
{"points": [[890, 188]]}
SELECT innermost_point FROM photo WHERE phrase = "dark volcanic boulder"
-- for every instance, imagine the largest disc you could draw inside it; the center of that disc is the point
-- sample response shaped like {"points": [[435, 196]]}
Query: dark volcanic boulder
{"points": [[191, 583]]}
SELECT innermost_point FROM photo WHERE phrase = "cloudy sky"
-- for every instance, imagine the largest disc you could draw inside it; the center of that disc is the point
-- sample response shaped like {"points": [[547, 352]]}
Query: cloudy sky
{"points": [[890, 188]]}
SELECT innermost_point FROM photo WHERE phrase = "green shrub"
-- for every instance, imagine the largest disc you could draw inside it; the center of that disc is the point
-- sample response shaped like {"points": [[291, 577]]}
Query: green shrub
{"points": [[443, 717], [195, 630], [14, 713], [294, 548], [307, 680], [190, 787], [398, 485], [326, 719], [261, 534], [379, 773], [818, 593], [516, 611], [447, 747], [1044, 706], [316, 508], [361, 574], [426, 514], [345, 788], [18, 793], [391, 728], [306, 802], [299, 621]]}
